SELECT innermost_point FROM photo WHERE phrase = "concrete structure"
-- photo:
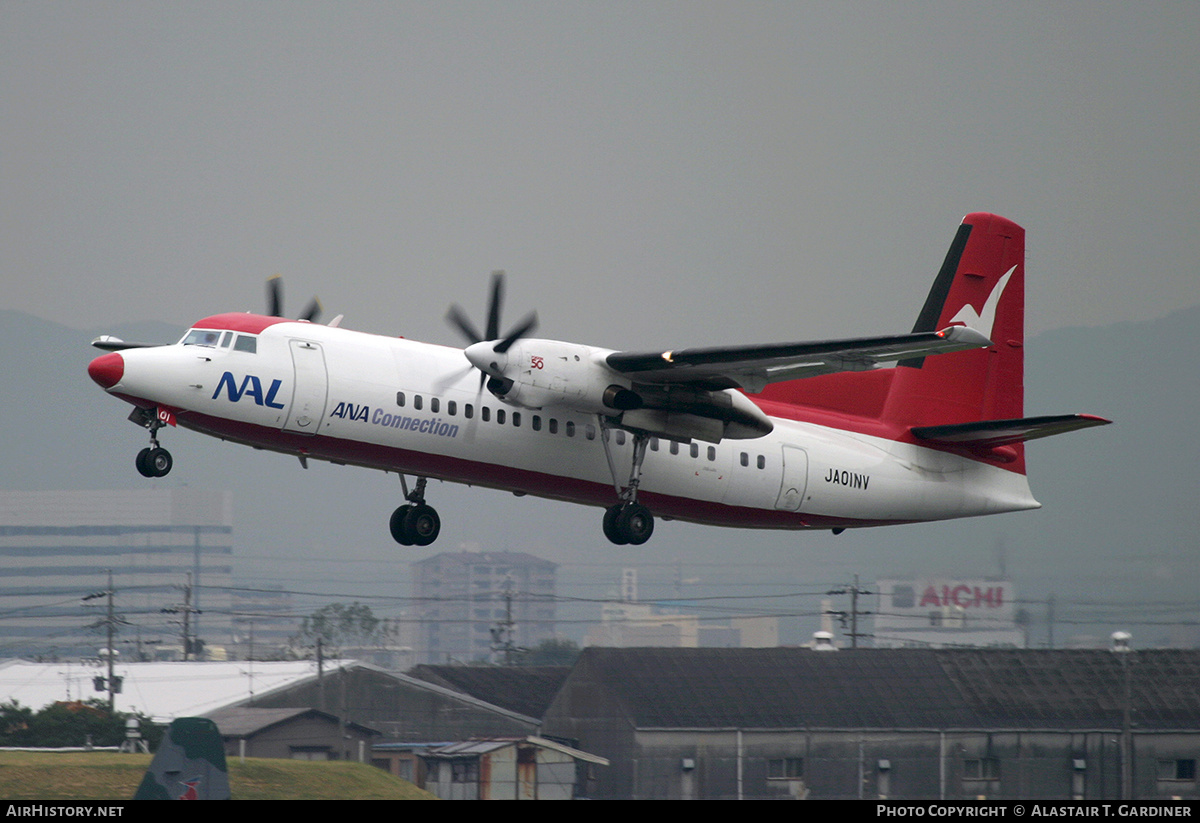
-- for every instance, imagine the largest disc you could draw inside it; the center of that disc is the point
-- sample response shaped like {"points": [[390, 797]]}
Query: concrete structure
{"points": [[628, 623], [885, 723], [56, 548], [462, 596]]}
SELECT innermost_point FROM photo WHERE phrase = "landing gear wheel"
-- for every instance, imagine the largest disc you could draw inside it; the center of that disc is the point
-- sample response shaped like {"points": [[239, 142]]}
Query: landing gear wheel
{"points": [[159, 462], [628, 524], [635, 523], [422, 524], [415, 524], [396, 526], [143, 463], [610, 525]]}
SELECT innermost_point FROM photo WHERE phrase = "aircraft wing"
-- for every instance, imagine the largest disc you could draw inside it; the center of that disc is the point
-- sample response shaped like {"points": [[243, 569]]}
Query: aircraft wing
{"points": [[752, 368]]}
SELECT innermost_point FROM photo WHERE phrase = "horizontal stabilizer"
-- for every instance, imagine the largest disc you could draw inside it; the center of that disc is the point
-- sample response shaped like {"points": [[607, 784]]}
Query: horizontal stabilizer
{"points": [[990, 433]]}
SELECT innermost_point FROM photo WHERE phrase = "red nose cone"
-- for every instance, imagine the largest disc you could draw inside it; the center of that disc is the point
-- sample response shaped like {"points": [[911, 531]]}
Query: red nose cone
{"points": [[107, 369]]}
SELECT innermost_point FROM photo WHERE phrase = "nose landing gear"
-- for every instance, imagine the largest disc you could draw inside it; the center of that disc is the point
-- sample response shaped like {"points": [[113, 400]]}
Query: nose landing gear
{"points": [[154, 460], [415, 523]]}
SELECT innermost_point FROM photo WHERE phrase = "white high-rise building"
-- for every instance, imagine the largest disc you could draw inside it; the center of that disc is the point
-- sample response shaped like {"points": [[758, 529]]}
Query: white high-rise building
{"points": [[58, 547]]}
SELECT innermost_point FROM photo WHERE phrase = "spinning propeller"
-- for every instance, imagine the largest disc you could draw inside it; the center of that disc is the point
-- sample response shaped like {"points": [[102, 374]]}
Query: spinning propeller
{"points": [[275, 301], [487, 352]]}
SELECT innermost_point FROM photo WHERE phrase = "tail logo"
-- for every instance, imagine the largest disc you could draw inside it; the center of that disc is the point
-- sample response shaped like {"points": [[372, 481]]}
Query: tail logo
{"points": [[979, 320]]}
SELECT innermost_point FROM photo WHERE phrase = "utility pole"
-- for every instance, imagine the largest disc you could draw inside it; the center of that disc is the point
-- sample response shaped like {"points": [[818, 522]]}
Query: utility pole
{"points": [[854, 591], [502, 632], [111, 683], [1121, 647], [189, 643]]}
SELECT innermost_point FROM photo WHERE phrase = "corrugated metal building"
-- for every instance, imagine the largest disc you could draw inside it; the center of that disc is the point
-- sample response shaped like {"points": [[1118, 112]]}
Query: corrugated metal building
{"points": [[529, 768], [875, 723]]}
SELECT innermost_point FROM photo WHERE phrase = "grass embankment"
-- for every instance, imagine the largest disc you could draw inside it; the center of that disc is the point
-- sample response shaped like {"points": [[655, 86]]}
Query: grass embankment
{"points": [[109, 776]]}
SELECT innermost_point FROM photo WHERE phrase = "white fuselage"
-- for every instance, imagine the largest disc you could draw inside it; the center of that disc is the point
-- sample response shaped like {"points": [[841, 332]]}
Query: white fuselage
{"points": [[393, 404]]}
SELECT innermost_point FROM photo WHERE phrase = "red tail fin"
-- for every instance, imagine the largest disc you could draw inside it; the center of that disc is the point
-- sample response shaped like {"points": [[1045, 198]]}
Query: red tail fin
{"points": [[982, 285]]}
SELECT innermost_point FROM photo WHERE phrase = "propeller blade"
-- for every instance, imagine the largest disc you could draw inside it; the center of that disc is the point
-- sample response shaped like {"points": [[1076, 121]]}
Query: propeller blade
{"points": [[312, 311], [490, 373], [275, 296], [493, 324], [459, 320], [527, 325], [451, 378]]}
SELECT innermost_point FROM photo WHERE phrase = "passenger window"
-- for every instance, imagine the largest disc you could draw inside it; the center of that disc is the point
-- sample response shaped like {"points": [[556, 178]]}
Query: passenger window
{"points": [[417, 402], [500, 416], [745, 459], [712, 453], [434, 405], [468, 411], [246, 343], [537, 423], [695, 450], [762, 462], [590, 430], [620, 438], [653, 444], [451, 408], [399, 398], [516, 420], [571, 429], [485, 413], [674, 447], [554, 425]]}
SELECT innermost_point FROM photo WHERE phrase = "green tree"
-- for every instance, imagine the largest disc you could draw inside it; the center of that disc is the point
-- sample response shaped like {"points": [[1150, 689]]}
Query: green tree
{"points": [[73, 723], [338, 625]]}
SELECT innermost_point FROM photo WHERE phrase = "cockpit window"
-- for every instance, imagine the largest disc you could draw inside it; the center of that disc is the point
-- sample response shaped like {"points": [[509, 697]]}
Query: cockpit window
{"points": [[246, 343], [201, 337]]}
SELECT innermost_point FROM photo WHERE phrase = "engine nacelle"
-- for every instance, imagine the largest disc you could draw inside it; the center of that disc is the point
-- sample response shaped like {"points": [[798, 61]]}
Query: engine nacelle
{"points": [[541, 373], [538, 374]]}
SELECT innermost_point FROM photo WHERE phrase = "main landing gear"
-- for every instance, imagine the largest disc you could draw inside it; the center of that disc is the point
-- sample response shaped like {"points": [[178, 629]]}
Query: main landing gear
{"points": [[154, 460], [415, 523], [628, 522]]}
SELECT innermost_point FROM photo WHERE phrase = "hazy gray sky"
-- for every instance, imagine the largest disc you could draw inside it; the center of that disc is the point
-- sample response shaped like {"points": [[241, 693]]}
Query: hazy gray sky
{"points": [[649, 173]]}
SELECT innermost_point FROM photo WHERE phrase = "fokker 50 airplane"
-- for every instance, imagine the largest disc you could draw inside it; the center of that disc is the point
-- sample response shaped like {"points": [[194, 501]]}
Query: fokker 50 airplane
{"points": [[833, 434]]}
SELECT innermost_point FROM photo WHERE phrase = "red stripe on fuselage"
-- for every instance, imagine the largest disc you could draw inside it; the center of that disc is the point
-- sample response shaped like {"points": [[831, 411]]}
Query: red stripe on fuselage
{"points": [[507, 478], [884, 430]]}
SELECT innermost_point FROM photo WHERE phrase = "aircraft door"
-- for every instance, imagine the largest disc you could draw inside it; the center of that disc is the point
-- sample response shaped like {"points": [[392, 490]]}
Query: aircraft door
{"points": [[795, 479], [310, 390]]}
